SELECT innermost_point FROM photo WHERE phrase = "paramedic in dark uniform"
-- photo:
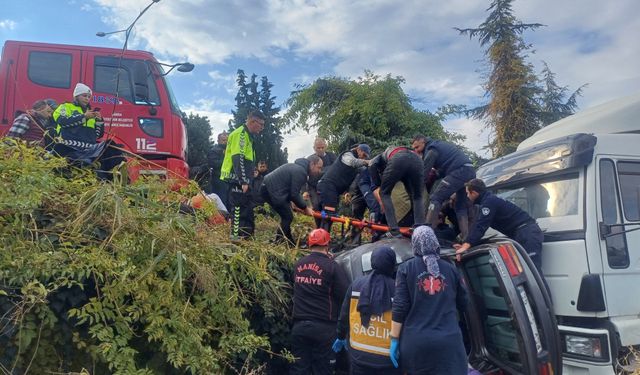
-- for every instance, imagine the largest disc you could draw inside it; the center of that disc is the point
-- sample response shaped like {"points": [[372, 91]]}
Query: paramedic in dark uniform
{"points": [[505, 217], [365, 317], [319, 287], [337, 179], [397, 164], [429, 297], [455, 169]]}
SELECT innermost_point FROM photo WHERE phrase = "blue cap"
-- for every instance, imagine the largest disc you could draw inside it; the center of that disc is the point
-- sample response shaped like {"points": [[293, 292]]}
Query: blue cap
{"points": [[365, 147]]}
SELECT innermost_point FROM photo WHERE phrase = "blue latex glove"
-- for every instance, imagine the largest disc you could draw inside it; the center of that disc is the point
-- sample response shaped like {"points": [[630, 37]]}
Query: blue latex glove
{"points": [[394, 354], [338, 345]]}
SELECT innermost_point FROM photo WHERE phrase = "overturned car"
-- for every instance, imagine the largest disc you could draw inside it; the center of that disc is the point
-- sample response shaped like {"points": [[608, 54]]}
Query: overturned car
{"points": [[509, 323]]}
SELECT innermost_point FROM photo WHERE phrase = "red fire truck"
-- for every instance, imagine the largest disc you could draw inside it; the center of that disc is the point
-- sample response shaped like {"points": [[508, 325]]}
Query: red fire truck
{"points": [[136, 102]]}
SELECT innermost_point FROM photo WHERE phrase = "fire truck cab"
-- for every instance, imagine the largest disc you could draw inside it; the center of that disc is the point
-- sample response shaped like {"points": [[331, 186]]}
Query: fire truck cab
{"points": [[136, 102]]}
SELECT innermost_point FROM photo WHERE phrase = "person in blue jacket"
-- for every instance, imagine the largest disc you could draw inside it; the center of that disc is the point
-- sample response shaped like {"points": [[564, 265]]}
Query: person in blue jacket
{"points": [[505, 217], [365, 317], [429, 296]]}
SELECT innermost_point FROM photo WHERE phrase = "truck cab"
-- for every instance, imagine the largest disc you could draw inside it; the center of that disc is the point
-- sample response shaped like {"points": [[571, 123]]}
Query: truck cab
{"points": [[580, 179], [137, 105]]}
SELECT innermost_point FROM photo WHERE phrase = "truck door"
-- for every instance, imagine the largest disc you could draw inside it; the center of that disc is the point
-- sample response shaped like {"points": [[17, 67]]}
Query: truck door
{"points": [[130, 120], [45, 72], [510, 320], [619, 221]]}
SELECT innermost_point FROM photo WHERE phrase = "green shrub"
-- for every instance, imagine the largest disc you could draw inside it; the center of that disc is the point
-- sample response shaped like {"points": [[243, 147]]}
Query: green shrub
{"points": [[111, 278]]}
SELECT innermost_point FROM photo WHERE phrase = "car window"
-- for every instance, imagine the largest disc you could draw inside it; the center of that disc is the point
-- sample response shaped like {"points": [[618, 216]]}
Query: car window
{"points": [[501, 334]]}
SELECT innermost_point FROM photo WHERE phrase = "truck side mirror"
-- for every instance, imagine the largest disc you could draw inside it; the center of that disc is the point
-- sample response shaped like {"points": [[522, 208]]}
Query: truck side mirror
{"points": [[140, 86]]}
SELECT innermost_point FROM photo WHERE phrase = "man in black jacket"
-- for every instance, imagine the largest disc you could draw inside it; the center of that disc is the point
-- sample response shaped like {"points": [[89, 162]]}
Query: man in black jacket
{"points": [[328, 158], [282, 187], [319, 287], [339, 177]]}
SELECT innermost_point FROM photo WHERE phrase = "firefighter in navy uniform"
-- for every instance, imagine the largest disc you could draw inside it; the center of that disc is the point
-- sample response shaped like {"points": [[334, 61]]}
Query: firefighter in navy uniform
{"points": [[366, 317], [505, 217], [393, 165], [455, 169], [319, 287]]}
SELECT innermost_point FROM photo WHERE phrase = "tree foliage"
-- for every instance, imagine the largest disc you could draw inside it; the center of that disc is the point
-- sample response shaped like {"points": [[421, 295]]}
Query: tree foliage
{"points": [[555, 101], [199, 135], [268, 144], [518, 105], [370, 109], [111, 278]]}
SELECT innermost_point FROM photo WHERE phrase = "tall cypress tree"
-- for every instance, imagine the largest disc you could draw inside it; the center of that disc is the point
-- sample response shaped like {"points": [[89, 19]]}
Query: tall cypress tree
{"points": [[553, 105], [512, 111]]}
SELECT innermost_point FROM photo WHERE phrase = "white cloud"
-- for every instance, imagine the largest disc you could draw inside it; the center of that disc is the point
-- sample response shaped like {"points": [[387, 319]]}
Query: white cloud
{"points": [[219, 120], [299, 144], [7, 24]]}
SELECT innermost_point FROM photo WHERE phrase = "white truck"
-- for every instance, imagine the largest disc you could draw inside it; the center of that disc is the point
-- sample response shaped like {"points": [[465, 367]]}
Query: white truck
{"points": [[580, 179]]}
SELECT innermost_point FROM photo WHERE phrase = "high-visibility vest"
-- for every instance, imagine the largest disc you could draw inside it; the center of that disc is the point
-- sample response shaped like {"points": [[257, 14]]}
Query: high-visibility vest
{"points": [[238, 143], [82, 132], [376, 338]]}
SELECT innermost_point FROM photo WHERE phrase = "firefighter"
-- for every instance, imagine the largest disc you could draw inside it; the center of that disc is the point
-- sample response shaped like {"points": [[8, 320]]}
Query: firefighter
{"points": [[429, 297], [366, 317], [337, 179], [455, 168], [237, 170], [505, 217], [319, 287], [398, 164], [78, 128], [282, 187]]}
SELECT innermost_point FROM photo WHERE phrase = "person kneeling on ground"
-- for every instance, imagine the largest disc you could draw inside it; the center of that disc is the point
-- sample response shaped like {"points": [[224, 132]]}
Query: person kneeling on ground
{"points": [[366, 317], [282, 187], [78, 128]]}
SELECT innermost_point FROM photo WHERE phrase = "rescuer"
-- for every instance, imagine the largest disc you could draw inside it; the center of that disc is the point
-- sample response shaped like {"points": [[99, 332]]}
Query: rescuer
{"points": [[365, 317], [318, 289]]}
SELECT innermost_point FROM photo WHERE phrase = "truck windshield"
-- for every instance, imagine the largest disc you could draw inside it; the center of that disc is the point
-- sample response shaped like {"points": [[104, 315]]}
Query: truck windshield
{"points": [[549, 198]]}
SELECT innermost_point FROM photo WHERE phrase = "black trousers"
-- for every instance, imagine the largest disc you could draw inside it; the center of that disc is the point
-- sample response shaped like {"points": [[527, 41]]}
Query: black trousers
{"points": [[311, 345], [286, 216], [405, 166], [241, 210], [530, 236]]}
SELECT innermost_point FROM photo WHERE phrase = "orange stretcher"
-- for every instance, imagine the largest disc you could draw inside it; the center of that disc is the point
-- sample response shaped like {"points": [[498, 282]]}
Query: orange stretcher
{"points": [[360, 224]]}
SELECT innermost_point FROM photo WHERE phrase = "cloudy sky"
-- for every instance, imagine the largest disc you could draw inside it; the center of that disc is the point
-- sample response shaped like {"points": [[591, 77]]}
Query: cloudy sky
{"points": [[297, 41]]}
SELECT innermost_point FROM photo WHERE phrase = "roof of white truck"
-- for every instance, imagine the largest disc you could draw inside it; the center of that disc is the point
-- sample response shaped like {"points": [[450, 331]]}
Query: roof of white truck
{"points": [[617, 116]]}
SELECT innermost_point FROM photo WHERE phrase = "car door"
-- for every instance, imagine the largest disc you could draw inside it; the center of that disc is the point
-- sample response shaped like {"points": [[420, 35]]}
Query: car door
{"points": [[509, 319]]}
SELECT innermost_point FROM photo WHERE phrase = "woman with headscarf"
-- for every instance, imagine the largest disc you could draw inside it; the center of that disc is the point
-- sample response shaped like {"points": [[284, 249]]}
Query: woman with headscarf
{"points": [[429, 296], [366, 317]]}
